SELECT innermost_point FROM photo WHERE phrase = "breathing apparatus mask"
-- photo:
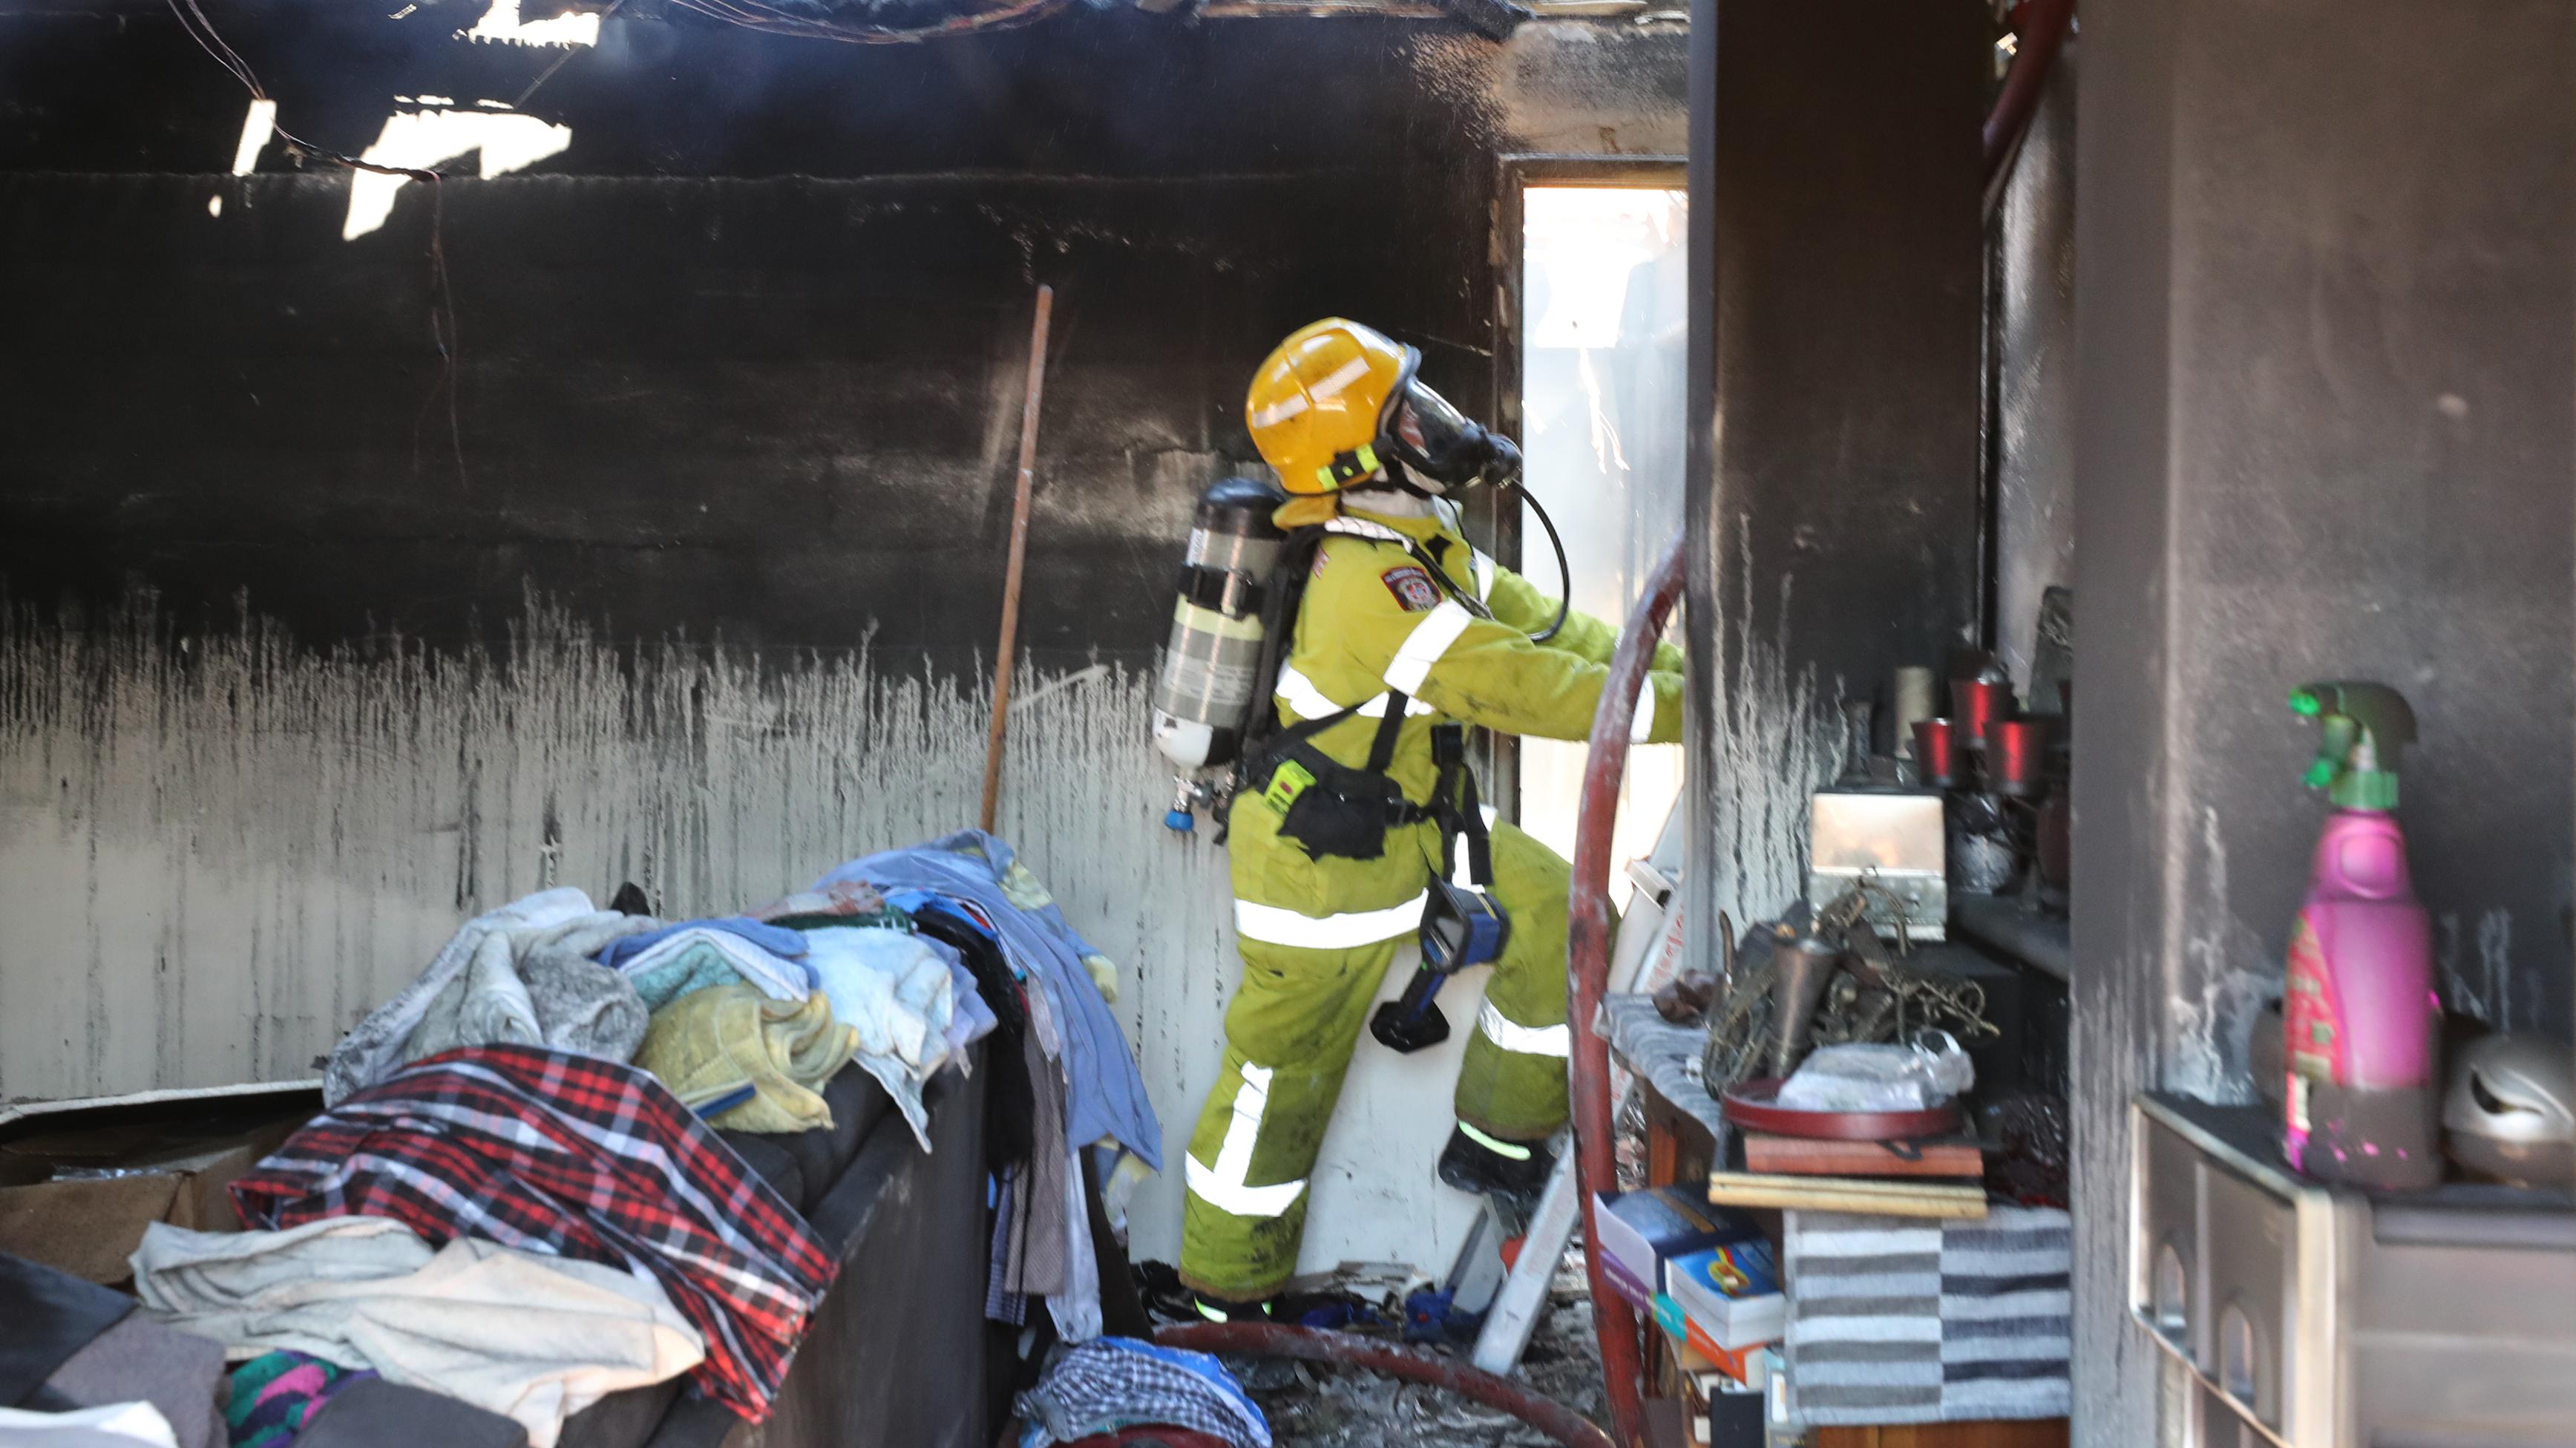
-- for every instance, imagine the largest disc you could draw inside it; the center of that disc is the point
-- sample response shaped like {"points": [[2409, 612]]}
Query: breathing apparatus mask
{"points": [[1433, 450], [1435, 442]]}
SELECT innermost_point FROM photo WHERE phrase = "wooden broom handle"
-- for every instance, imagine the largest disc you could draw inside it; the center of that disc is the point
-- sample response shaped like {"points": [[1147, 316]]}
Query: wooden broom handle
{"points": [[1005, 652]]}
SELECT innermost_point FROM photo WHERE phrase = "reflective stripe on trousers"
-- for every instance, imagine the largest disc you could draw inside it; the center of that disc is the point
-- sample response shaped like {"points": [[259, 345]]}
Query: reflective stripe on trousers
{"points": [[1510, 1035], [1223, 1186], [1348, 931]]}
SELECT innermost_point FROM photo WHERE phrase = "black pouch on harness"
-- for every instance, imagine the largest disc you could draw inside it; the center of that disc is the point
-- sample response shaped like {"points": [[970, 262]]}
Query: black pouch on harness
{"points": [[1333, 809]]}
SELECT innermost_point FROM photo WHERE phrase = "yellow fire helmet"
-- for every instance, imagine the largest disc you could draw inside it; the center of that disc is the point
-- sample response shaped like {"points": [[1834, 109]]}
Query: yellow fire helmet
{"points": [[1319, 408]]}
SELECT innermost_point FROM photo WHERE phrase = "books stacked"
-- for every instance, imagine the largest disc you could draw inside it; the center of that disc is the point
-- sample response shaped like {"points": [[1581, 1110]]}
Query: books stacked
{"points": [[1936, 1179], [1730, 1295], [1707, 1278], [1642, 1231]]}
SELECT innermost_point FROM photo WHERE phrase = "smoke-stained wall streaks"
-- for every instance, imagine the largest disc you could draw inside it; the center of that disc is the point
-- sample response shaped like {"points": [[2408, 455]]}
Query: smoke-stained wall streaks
{"points": [[738, 385], [219, 850]]}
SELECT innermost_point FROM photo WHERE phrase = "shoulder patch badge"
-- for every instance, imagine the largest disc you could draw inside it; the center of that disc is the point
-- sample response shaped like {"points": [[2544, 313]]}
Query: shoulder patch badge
{"points": [[1413, 588]]}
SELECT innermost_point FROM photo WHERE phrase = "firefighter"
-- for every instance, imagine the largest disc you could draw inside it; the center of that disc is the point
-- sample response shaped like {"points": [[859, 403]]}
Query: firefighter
{"points": [[1403, 629]]}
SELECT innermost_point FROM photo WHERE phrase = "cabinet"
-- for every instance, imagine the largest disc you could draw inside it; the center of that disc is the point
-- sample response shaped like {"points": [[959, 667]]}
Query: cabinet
{"points": [[2316, 1318]]}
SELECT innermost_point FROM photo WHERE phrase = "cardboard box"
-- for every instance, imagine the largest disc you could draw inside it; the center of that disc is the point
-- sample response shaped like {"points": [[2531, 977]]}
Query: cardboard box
{"points": [[87, 1177]]}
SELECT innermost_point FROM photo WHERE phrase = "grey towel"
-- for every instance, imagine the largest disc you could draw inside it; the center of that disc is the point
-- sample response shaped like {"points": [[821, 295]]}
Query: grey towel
{"points": [[1037, 1265], [174, 1371], [374, 1049], [517, 974], [539, 987], [374, 1413]]}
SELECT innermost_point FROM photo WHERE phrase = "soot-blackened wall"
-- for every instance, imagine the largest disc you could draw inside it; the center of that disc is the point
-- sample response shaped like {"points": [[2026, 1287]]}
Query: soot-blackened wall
{"points": [[2326, 342], [745, 355], [1836, 271]]}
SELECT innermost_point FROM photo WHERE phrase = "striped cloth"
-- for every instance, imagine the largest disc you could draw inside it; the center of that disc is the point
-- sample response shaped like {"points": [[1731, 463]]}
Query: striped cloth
{"points": [[1894, 1320]]}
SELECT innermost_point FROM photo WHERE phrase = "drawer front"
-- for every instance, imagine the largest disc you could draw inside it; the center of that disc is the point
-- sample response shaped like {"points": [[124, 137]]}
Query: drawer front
{"points": [[2169, 1287], [2217, 1425], [2465, 1345], [2248, 1241]]}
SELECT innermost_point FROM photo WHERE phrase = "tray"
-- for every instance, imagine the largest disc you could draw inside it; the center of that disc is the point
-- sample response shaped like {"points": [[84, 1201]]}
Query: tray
{"points": [[1754, 1106]]}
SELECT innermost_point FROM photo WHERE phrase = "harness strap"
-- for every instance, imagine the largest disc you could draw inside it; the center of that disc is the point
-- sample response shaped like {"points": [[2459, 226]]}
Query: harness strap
{"points": [[1389, 727], [1454, 802]]}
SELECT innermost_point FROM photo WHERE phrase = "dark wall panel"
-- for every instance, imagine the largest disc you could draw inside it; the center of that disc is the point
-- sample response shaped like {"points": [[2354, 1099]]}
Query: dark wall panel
{"points": [[1847, 266], [2326, 326], [746, 357], [1836, 267]]}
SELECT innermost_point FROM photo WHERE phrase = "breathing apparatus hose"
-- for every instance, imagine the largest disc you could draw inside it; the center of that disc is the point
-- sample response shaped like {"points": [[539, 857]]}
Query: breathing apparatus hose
{"points": [[1564, 573]]}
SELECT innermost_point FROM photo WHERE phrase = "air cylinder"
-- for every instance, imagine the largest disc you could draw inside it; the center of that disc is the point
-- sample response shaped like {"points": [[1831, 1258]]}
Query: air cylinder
{"points": [[1210, 682]]}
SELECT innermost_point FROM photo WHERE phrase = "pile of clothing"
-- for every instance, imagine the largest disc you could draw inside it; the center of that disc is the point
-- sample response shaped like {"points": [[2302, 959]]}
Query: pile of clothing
{"points": [[82, 1367], [745, 1017], [528, 1188], [1064, 1080], [516, 1228]]}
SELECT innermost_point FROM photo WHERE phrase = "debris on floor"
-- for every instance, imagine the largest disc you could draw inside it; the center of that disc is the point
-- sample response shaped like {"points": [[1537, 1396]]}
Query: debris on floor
{"points": [[1317, 1405]]}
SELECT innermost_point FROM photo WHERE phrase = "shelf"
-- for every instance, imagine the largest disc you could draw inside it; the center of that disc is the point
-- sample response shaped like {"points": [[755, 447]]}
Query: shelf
{"points": [[2463, 1214], [1998, 922]]}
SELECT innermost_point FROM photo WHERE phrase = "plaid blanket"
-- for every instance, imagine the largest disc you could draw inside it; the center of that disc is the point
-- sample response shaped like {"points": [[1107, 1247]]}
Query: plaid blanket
{"points": [[1111, 1383], [581, 1157], [1893, 1320]]}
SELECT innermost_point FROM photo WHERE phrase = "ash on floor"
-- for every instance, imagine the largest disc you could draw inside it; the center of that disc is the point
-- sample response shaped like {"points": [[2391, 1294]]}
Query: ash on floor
{"points": [[1317, 1405]]}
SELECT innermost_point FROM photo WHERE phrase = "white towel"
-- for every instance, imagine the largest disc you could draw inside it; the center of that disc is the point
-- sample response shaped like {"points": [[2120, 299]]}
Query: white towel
{"points": [[118, 1425], [901, 995], [531, 1337], [777, 978]]}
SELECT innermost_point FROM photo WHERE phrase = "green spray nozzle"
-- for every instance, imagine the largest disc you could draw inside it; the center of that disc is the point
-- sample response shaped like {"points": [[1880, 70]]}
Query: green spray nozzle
{"points": [[2365, 726]]}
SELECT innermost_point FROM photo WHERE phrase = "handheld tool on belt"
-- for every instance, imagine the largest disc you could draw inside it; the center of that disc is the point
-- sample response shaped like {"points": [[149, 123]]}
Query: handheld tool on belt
{"points": [[1462, 925]]}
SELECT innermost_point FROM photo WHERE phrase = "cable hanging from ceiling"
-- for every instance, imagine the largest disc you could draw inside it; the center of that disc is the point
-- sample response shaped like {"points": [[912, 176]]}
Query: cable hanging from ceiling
{"points": [[444, 331], [824, 22]]}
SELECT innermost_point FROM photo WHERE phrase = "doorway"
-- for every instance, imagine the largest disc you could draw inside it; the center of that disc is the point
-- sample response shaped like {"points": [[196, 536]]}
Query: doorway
{"points": [[1601, 340]]}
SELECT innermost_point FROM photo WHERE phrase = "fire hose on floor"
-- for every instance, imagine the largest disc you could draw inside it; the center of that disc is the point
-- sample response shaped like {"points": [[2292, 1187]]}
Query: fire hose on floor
{"points": [[1413, 1365]]}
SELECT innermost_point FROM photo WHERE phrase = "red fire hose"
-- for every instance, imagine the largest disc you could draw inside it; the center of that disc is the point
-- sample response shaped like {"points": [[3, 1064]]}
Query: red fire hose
{"points": [[1270, 1339], [2042, 31], [1587, 941]]}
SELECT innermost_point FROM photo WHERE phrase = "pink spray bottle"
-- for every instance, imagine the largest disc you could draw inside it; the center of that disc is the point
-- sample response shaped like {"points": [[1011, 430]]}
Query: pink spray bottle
{"points": [[2361, 1018]]}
